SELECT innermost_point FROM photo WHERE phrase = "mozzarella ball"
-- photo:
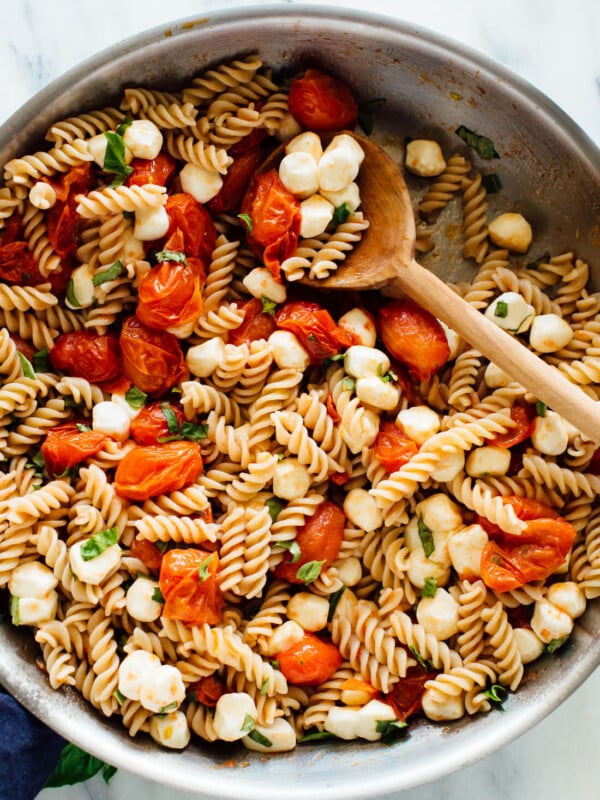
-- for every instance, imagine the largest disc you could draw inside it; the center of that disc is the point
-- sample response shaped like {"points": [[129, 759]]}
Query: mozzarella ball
{"points": [[316, 213], [284, 636], [488, 461], [203, 184], [287, 351], [510, 312], [96, 147], [139, 600], [465, 547], [439, 614], [231, 713], [361, 325], [424, 157], [97, 569], [439, 513], [307, 142], [358, 438], [346, 604], [549, 333], [299, 174], [549, 434], [280, 736], [362, 511], [419, 423], [447, 708], [42, 195], [203, 359], [290, 479], [261, 283], [342, 722], [369, 715], [549, 622], [375, 392], [568, 596], [133, 669], [420, 568], [309, 610], [511, 231], [34, 610], [455, 342], [143, 138], [111, 419], [340, 163], [348, 196], [121, 401], [82, 288], [495, 377], [171, 730], [151, 223], [449, 466], [361, 361], [528, 644], [31, 579], [349, 570], [287, 128], [163, 688]]}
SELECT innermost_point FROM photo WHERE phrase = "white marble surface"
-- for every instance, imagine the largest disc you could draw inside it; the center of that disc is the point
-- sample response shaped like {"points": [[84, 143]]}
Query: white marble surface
{"points": [[551, 43]]}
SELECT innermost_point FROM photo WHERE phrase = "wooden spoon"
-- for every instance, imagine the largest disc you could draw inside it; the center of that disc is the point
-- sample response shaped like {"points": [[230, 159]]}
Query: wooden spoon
{"points": [[385, 256]]}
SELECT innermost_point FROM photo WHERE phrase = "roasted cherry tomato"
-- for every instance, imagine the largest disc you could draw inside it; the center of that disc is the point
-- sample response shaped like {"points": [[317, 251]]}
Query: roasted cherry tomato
{"points": [[152, 360], [18, 264], [150, 426], [594, 465], [62, 219], [23, 346], [188, 582], [256, 324], [88, 355], [523, 415], [199, 232], [406, 695], [319, 539], [320, 102], [275, 216], [392, 446], [315, 329], [207, 690], [509, 561], [151, 170], [170, 296], [310, 661], [414, 337], [68, 445], [147, 552], [236, 181], [146, 471]]}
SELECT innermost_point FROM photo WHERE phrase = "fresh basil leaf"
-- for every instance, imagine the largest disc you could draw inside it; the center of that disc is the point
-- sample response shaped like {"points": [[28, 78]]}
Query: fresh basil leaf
{"points": [[275, 504], [426, 536], [70, 294], [275, 664], [265, 687], [292, 547], [75, 766], [491, 183], [538, 261], [108, 773], [248, 725], [390, 729], [430, 588], [348, 384], [203, 569], [171, 707], [114, 158], [310, 571], [157, 596], [257, 737], [41, 361], [171, 255], [501, 309], [268, 305], [483, 146], [340, 215], [556, 644], [496, 693], [110, 274], [14, 610], [317, 736], [334, 599], [135, 397], [388, 377], [98, 543], [170, 417], [366, 111], [38, 464], [540, 408], [423, 662], [119, 696], [193, 432], [124, 125], [26, 366], [247, 220], [82, 428]]}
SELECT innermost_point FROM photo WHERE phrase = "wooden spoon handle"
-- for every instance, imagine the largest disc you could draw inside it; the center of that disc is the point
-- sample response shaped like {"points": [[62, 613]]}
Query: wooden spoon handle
{"points": [[543, 380]]}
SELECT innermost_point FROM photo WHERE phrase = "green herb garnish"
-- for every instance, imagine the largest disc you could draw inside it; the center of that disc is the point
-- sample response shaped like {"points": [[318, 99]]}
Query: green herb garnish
{"points": [[110, 274], [205, 566], [423, 662], [317, 736], [171, 255], [70, 294], [293, 548], [496, 693], [247, 220], [540, 408], [124, 125], [41, 362], [426, 537], [248, 725], [170, 417], [135, 397], [26, 366], [366, 111], [265, 687], [82, 428], [429, 588], [274, 504], [501, 309], [340, 215], [556, 644], [120, 698], [157, 595], [268, 305], [75, 766], [390, 729], [538, 261], [491, 183], [260, 739], [98, 543], [334, 599], [310, 571], [114, 158], [348, 384], [14, 610], [483, 146]]}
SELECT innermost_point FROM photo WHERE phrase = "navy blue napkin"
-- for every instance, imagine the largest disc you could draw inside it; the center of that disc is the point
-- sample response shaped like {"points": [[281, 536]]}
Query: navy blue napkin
{"points": [[29, 751]]}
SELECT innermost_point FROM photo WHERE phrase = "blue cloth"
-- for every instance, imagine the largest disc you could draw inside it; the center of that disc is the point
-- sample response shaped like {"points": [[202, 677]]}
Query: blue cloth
{"points": [[29, 751]]}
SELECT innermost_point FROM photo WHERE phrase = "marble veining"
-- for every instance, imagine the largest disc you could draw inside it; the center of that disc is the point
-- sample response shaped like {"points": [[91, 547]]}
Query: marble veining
{"points": [[550, 43]]}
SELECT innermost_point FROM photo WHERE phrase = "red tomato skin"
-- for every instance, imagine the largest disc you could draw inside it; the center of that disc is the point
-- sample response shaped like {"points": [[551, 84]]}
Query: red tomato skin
{"points": [[196, 224], [236, 181], [320, 102], [147, 552], [151, 170], [62, 220], [152, 360], [84, 354], [23, 346], [405, 697], [315, 329], [309, 662], [18, 264], [149, 470], [319, 539], [414, 337], [207, 690], [187, 597], [169, 296], [255, 325], [524, 416], [392, 446], [150, 424], [66, 446]]}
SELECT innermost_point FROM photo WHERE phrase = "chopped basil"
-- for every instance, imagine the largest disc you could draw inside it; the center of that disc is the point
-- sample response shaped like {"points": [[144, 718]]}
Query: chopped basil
{"points": [[293, 548], [310, 571], [423, 662], [540, 408], [501, 309], [170, 417], [260, 739], [348, 384], [192, 431], [536, 264], [275, 664], [317, 736], [265, 687], [268, 305], [110, 274], [41, 361], [119, 697], [205, 566], [124, 125], [37, 461], [75, 765], [334, 599], [248, 725], [114, 158], [82, 428], [247, 220], [366, 111], [274, 504], [157, 596], [430, 588], [162, 546], [171, 255], [483, 146], [171, 707], [98, 543], [496, 693], [491, 183], [426, 537], [556, 644], [135, 397], [390, 729], [331, 359], [14, 610], [388, 376], [26, 366], [70, 294], [188, 430], [340, 215]]}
